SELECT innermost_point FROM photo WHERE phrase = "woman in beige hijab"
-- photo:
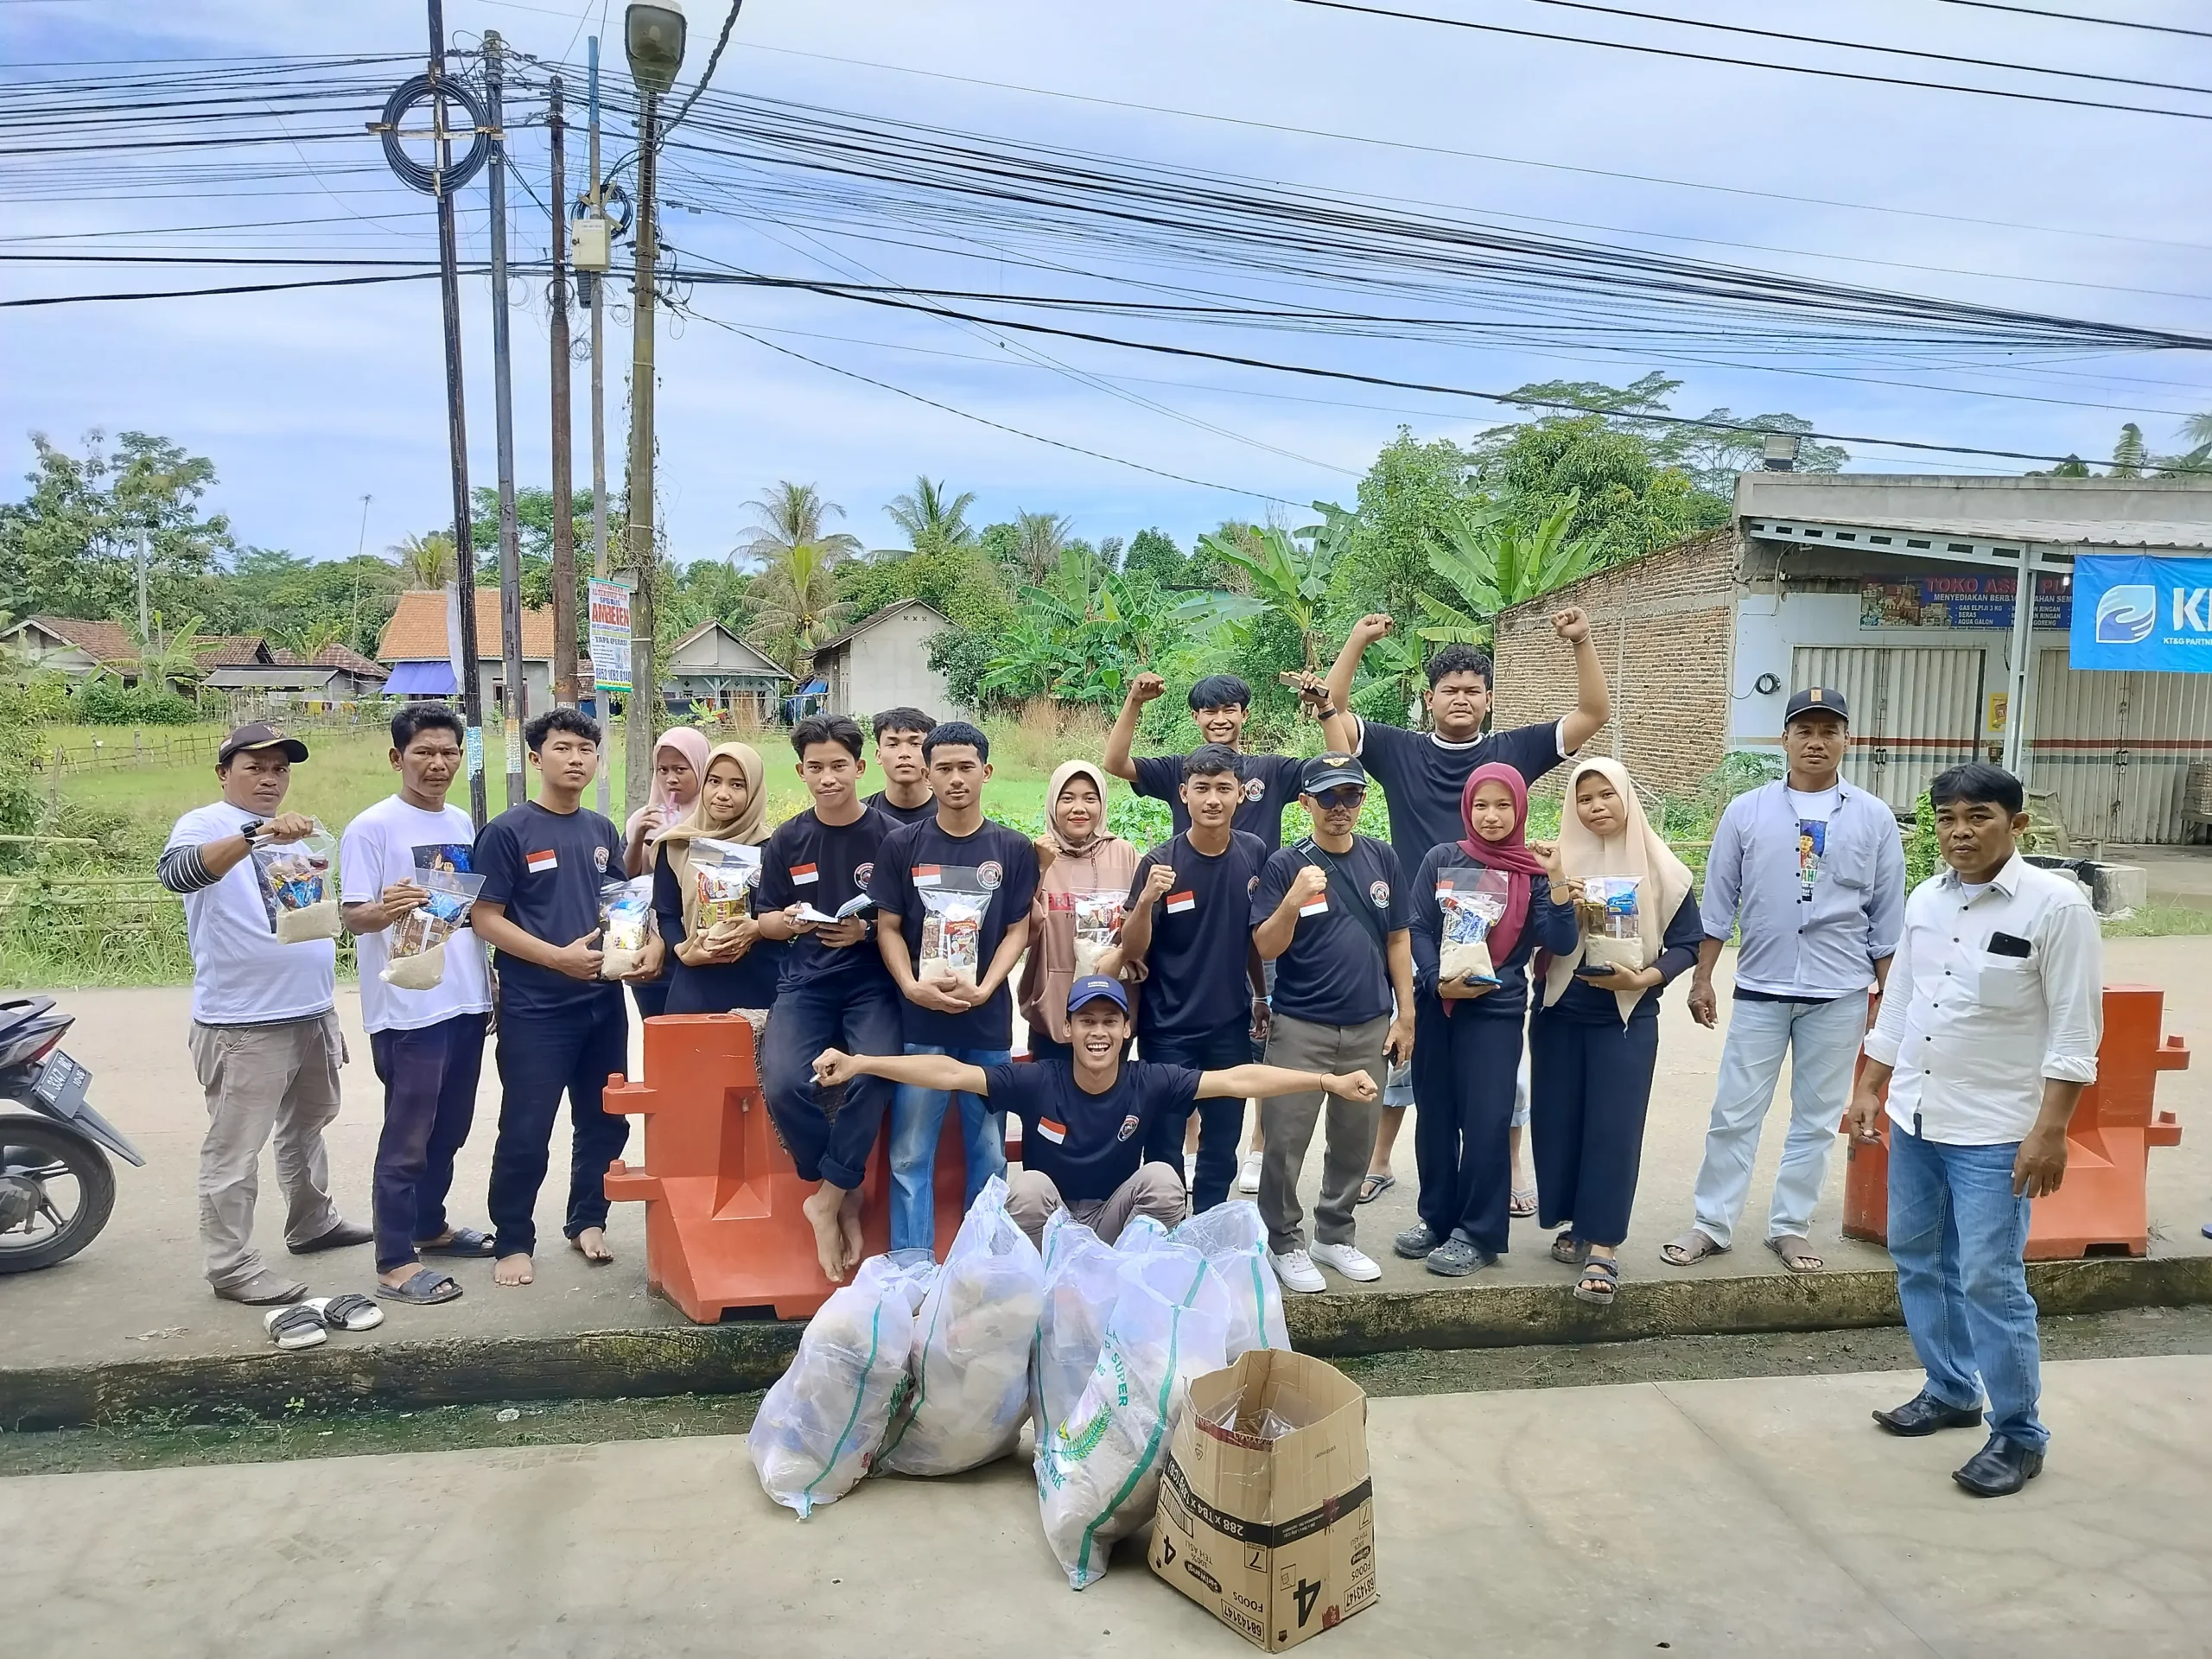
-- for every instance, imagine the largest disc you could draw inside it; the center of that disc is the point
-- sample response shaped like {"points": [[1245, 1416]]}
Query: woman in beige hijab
{"points": [[729, 966], [1594, 1042], [1086, 859]]}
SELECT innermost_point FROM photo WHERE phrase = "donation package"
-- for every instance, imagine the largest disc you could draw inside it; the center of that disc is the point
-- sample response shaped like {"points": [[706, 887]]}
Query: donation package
{"points": [[416, 960], [1612, 918], [953, 903], [1472, 900], [626, 923], [299, 886]]}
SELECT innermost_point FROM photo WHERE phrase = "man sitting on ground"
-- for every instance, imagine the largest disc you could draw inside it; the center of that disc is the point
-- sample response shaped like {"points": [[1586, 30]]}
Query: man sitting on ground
{"points": [[1083, 1119]]}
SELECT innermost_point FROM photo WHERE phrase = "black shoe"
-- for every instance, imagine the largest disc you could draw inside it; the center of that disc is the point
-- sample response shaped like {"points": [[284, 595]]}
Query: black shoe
{"points": [[1924, 1413], [2000, 1469], [343, 1236]]}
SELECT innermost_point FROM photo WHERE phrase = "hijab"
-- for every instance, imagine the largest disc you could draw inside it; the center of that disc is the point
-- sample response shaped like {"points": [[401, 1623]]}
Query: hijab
{"points": [[1061, 773], [748, 829], [1512, 854], [1636, 850], [689, 742]]}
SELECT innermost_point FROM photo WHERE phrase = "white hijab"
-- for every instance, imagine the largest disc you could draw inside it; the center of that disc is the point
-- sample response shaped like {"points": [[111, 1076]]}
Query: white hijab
{"points": [[1637, 850]]}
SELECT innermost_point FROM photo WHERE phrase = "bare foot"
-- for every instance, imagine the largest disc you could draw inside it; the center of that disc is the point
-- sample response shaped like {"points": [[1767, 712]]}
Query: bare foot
{"points": [[821, 1210], [512, 1270], [849, 1226], [591, 1244]]}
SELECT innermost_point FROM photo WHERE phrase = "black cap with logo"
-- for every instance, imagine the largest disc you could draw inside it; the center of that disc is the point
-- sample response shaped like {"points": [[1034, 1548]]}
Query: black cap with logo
{"points": [[1816, 700], [258, 735]]}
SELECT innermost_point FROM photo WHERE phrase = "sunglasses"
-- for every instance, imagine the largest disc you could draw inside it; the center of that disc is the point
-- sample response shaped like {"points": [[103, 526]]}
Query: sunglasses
{"points": [[1336, 799]]}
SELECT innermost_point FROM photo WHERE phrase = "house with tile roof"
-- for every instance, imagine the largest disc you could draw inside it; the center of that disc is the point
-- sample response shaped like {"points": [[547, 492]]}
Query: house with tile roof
{"points": [[80, 646], [416, 648]]}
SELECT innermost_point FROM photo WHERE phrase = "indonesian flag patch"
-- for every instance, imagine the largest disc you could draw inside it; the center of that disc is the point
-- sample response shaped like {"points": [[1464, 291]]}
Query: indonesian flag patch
{"points": [[1316, 905], [539, 862], [928, 875], [1055, 1133], [1177, 903], [805, 875]]}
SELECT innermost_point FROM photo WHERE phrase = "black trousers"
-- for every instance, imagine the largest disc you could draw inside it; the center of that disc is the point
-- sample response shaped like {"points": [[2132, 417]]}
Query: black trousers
{"points": [[541, 1057], [429, 1101], [1589, 1088], [1464, 1070], [829, 1138], [1221, 1122]]}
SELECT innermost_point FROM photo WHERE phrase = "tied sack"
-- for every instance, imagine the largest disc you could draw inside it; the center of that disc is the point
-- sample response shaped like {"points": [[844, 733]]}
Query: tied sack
{"points": [[971, 1394], [1612, 922], [417, 958], [299, 886], [625, 922], [1472, 902], [1098, 1472], [952, 926], [822, 1424], [1234, 1240], [1082, 1275]]}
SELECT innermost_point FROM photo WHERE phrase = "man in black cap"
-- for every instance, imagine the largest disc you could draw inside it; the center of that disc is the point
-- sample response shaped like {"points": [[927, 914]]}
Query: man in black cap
{"points": [[1809, 871], [265, 1041], [1333, 913]]}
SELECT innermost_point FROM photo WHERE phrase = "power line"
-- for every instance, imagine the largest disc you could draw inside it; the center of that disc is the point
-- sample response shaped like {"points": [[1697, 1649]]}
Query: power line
{"points": [[2077, 17], [198, 293]]}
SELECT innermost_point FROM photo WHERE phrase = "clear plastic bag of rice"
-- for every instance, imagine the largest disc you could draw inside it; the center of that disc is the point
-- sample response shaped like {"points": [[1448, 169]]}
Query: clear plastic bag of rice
{"points": [[952, 927], [1472, 899], [415, 959], [299, 886], [723, 875], [626, 923], [1098, 919], [1611, 913]]}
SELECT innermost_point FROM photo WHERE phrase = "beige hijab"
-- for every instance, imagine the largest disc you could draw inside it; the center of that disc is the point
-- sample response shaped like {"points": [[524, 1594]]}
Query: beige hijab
{"points": [[748, 829], [1637, 850], [1059, 781]]}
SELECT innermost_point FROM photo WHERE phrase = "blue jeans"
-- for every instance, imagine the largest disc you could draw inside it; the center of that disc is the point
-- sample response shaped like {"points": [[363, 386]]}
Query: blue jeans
{"points": [[916, 1118], [1822, 1040], [1957, 1234]]}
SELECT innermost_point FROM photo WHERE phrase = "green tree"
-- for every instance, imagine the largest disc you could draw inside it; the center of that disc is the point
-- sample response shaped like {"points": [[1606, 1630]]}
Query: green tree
{"points": [[1079, 636], [2131, 455], [1040, 538], [1411, 494], [933, 519], [1494, 562], [1627, 502], [425, 562], [1289, 570], [1153, 556]]}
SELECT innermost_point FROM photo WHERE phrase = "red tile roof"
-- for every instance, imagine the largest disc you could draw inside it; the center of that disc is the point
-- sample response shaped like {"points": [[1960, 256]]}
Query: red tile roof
{"points": [[103, 642], [416, 632]]}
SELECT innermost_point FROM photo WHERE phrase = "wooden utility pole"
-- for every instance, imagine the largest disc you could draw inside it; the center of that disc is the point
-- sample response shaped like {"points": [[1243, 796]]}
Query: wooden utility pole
{"points": [[503, 412], [564, 530]]}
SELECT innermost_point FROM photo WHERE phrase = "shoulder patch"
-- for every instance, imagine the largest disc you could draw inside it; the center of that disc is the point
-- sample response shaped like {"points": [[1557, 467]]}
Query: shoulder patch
{"points": [[1380, 892], [988, 874]]}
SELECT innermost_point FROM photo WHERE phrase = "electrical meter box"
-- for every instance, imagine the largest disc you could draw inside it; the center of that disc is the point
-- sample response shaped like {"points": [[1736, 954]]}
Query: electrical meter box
{"points": [[590, 242]]}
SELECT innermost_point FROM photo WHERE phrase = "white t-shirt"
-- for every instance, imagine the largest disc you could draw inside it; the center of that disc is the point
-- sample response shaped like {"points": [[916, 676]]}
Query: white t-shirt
{"points": [[1814, 810], [240, 974], [389, 842]]}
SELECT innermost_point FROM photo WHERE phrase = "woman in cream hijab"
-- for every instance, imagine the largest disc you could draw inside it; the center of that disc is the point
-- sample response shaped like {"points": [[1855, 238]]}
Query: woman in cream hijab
{"points": [[1086, 859], [727, 967], [1595, 1040]]}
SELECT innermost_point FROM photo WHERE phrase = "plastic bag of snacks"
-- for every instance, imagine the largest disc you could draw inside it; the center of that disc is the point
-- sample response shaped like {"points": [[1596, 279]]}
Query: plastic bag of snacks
{"points": [[1098, 919], [723, 875], [299, 886], [1612, 934], [416, 950], [819, 1428], [952, 926], [971, 1348], [1472, 899], [626, 923], [1234, 1240]]}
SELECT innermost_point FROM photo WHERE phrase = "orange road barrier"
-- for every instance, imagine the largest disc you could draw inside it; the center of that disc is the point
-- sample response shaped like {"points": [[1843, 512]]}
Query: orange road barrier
{"points": [[2100, 1208], [723, 1229]]}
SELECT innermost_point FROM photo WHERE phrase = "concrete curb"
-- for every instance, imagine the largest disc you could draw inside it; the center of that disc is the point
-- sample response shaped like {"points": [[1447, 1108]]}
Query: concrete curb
{"points": [[730, 1359]]}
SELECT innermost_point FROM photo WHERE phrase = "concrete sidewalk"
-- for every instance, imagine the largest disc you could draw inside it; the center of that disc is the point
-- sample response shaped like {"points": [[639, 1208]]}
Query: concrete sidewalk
{"points": [[137, 1294], [1754, 1517]]}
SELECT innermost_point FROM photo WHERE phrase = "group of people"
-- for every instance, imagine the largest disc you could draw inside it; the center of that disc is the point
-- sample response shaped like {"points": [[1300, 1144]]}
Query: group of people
{"points": [[890, 936]]}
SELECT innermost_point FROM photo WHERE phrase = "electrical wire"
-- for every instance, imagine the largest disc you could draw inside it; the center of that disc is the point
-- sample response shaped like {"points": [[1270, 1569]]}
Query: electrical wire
{"points": [[2077, 17]]}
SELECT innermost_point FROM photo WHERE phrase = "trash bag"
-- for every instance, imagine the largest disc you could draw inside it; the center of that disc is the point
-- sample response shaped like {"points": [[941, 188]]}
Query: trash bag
{"points": [[1234, 1240], [1082, 1275], [1098, 1472], [819, 1428], [972, 1339]]}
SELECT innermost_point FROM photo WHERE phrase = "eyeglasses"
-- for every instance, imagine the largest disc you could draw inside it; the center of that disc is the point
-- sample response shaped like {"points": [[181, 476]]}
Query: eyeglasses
{"points": [[1336, 800]]}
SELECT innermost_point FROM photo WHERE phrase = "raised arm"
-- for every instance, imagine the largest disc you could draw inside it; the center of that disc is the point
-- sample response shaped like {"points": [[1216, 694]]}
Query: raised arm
{"points": [[1593, 703], [1142, 689], [1342, 729], [1136, 924]]}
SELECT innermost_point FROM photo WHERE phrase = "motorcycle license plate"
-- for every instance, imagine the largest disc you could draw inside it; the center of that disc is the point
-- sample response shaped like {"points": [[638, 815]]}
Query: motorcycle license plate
{"points": [[62, 1084]]}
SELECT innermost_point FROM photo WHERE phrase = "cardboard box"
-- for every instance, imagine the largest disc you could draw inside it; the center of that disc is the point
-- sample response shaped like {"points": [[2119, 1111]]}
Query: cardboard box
{"points": [[1276, 1537]]}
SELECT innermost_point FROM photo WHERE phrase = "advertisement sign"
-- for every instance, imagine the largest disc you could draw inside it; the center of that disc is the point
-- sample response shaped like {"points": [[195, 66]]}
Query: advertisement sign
{"points": [[1960, 602], [2148, 615], [610, 635]]}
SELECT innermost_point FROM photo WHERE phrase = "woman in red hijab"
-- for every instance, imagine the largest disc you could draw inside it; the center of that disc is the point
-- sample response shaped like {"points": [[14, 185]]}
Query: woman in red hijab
{"points": [[1482, 907]]}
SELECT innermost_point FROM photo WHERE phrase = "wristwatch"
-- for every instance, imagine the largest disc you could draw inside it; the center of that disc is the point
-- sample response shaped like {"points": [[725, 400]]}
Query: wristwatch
{"points": [[251, 828]]}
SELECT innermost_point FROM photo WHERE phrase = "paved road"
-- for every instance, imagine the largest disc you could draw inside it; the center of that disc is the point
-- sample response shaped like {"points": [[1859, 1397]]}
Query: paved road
{"points": [[1754, 1517]]}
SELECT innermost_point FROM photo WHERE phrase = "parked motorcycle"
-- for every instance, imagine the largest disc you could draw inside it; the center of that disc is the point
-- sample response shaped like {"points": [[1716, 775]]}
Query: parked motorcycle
{"points": [[56, 1186]]}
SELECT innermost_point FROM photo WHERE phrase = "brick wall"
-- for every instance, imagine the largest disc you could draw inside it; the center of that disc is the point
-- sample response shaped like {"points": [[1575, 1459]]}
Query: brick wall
{"points": [[1664, 629]]}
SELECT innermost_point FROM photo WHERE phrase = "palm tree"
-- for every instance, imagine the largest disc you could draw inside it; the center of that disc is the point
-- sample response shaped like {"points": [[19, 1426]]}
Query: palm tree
{"points": [[796, 604], [791, 516], [1042, 538], [932, 521], [2131, 453], [426, 561]]}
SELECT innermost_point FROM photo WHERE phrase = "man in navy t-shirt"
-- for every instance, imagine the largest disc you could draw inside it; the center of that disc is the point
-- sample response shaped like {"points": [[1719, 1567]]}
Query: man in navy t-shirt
{"points": [[1083, 1119], [1220, 705], [953, 894], [904, 797], [562, 1027]]}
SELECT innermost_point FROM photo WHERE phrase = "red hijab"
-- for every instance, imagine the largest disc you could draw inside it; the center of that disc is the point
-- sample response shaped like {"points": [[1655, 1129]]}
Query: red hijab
{"points": [[1512, 854]]}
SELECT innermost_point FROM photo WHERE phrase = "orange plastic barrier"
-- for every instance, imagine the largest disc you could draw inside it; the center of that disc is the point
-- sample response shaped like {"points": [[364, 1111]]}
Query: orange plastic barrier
{"points": [[723, 1229], [2100, 1209]]}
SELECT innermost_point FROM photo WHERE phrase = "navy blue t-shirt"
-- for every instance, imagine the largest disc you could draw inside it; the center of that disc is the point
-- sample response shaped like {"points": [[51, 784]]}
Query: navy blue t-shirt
{"points": [[1332, 973], [882, 803], [544, 870], [808, 862], [915, 857], [1271, 784], [1196, 978], [1087, 1145], [1422, 779], [748, 983]]}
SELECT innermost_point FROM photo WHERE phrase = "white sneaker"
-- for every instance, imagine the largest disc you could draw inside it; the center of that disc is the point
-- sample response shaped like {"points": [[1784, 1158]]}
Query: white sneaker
{"points": [[1351, 1262], [1296, 1270], [1248, 1178]]}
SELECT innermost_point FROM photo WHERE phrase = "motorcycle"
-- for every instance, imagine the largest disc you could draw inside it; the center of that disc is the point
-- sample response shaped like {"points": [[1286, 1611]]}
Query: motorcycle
{"points": [[56, 1185]]}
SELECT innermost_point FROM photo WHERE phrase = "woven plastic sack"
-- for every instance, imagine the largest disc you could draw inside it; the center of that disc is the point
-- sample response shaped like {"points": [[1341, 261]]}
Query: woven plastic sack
{"points": [[1083, 1274], [1234, 1240]]}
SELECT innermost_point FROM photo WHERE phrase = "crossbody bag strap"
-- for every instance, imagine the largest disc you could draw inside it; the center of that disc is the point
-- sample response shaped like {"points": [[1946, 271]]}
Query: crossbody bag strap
{"points": [[1342, 883]]}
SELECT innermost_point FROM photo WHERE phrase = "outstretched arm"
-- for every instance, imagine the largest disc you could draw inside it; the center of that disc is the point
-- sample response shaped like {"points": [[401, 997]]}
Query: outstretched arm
{"points": [[1264, 1082], [1342, 729], [923, 1071]]}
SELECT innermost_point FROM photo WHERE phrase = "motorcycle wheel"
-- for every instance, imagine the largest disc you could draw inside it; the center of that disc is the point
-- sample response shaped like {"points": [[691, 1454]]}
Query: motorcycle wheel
{"points": [[49, 1155]]}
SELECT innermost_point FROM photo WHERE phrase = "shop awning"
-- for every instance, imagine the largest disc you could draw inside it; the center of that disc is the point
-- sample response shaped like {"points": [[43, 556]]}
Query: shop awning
{"points": [[431, 679]]}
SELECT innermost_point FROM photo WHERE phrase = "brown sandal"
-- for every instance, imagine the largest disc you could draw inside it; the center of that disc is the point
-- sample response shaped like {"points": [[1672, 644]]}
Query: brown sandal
{"points": [[1692, 1246], [1796, 1260]]}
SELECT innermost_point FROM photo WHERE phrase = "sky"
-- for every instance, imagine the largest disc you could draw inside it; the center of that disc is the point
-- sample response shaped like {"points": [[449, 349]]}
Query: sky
{"points": [[309, 401]]}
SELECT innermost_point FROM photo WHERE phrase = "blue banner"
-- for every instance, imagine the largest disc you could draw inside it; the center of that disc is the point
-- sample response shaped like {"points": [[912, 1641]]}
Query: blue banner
{"points": [[2142, 613]]}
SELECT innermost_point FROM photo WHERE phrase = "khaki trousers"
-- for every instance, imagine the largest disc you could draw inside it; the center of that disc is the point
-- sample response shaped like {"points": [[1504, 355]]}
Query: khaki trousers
{"points": [[1287, 1128], [262, 1081], [1156, 1190]]}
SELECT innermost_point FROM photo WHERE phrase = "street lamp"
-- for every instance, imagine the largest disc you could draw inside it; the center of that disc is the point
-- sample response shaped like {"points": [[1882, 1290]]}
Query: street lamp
{"points": [[653, 36]]}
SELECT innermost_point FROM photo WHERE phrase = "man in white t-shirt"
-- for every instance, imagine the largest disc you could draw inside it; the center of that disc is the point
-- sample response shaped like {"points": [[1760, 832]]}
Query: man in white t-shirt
{"points": [[265, 1041], [427, 1045]]}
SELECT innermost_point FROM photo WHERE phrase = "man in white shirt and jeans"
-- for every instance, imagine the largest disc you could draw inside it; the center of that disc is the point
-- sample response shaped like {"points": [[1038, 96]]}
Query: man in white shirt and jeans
{"points": [[265, 1041], [1985, 1046]]}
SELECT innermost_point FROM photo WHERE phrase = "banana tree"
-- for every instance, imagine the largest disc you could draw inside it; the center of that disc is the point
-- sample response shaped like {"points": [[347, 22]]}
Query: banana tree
{"points": [[1491, 563], [1289, 569]]}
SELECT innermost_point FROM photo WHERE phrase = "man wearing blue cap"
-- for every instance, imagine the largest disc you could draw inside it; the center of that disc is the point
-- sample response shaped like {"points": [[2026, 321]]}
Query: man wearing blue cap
{"points": [[1083, 1119]]}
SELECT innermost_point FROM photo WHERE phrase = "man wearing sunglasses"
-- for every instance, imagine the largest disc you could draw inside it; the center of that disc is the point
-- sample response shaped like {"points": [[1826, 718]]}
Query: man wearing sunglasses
{"points": [[1333, 912]]}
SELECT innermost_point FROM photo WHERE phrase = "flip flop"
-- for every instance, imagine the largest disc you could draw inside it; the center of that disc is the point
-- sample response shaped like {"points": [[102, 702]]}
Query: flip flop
{"points": [[1522, 1203], [1796, 1261], [425, 1288], [1372, 1187], [1692, 1246], [463, 1241], [348, 1311], [296, 1326]]}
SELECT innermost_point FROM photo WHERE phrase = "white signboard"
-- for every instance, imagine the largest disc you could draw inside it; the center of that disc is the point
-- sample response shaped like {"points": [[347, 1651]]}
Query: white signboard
{"points": [[610, 635]]}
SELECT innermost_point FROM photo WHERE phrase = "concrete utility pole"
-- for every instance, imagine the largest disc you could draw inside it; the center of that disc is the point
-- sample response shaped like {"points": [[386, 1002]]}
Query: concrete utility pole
{"points": [[145, 612], [598, 411], [564, 530], [645, 671], [503, 409]]}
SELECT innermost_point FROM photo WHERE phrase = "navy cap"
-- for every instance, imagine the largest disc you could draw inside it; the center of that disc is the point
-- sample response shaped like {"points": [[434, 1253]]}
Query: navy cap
{"points": [[1091, 987], [1327, 772], [1816, 700]]}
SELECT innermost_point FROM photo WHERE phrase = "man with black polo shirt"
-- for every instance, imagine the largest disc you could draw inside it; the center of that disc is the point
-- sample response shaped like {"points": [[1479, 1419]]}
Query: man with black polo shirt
{"points": [[1221, 704], [970, 1021], [1333, 914], [1187, 923], [1084, 1118], [904, 797], [832, 988]]}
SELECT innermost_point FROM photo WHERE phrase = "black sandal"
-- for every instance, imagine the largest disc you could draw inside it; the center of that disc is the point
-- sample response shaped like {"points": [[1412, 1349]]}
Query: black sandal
{"points": [[425, 1288], [460, 1241], [1568, 1249], [1601, 1277]]}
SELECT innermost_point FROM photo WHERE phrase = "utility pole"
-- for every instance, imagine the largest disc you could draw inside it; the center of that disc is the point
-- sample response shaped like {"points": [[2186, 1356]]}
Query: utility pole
{"points": [[645, 671], [598, 413], [360, 547], [503, 408], [564, 531], [145, 615]]}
